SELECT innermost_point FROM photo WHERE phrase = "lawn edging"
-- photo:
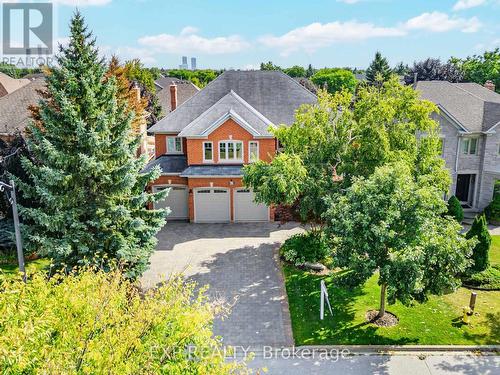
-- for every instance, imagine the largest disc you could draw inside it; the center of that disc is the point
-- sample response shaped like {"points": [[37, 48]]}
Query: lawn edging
{"points": [[390, 349]]}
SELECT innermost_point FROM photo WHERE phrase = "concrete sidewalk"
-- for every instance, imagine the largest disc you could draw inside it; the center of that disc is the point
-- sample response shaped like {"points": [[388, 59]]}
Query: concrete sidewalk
{"points": [[378, 364]]}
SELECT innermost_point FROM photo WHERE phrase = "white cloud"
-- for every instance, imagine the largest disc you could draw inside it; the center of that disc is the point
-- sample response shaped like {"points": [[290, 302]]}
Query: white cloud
{"points": [[316, 35], [189, 41], [441, 22], [146, 55], [466, 4], [82, 3]]}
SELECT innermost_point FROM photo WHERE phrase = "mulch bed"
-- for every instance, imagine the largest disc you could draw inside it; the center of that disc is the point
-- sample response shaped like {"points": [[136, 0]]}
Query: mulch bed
{"points": [[388, 320]]}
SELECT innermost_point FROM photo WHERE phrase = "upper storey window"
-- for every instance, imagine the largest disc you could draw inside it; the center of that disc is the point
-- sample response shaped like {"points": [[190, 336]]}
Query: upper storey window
{"points": [[231, 151], [469, 146], [174, 145]]}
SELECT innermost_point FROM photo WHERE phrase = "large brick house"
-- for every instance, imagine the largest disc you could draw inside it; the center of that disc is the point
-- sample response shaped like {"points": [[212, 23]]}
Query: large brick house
{"points": [[202, 144], [469, 121]]}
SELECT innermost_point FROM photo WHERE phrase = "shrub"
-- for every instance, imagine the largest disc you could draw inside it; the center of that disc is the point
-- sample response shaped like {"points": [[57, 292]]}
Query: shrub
{"points": [[488, 279], [480, 253], [455, 209], [97, 322], [305, 247], [492, 212]]}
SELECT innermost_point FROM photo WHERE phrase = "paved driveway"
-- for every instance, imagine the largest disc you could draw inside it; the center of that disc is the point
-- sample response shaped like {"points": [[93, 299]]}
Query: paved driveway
{"points": [[239, 263]]}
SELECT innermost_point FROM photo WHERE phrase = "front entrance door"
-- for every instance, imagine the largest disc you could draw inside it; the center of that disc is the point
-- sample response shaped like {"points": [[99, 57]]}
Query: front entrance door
{"points": [[465, 188]]}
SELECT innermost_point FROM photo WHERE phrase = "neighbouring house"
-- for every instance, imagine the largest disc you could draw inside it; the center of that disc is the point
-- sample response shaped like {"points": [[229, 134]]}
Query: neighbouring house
{"points": [[14, 113], [470, 131], [165, 92], [8, 84], [202, 145]]}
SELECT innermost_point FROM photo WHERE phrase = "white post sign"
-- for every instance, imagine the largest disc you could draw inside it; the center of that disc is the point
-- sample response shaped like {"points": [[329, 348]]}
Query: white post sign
{"points": [[324, 295]]}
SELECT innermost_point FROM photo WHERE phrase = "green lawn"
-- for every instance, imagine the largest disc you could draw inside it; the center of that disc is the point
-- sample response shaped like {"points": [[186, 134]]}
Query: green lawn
{"points": [[12, 268], [495, 250], [438, 321]]}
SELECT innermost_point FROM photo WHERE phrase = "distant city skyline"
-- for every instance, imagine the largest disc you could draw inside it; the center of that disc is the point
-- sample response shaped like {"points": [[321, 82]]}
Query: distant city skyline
{"points": [[241, 35]]}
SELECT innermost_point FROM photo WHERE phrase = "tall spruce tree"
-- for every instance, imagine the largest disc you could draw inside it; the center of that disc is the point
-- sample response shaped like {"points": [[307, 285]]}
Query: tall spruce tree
{"points": [[379, 69], [88, 181]]}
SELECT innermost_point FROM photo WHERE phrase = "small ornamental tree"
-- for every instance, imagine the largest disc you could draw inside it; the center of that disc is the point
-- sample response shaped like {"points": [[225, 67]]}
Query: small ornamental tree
{"points": [[391, 223], [480, 253], [379, 70], [86, 177], [455, 209]]}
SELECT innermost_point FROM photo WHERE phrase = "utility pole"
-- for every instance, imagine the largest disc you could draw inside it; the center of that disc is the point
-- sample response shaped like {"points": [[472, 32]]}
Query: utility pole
{"points": [[11, 194]]}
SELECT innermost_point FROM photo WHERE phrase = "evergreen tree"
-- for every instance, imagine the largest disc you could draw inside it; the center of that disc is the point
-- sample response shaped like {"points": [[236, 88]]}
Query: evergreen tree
{"points": [[379, 69], [455, 209], [88, 181], [480, 253], [309, 71]]}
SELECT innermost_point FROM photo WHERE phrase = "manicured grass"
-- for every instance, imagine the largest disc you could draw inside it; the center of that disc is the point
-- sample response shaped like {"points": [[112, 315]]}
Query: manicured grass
{"points": [[495, 250], [437, 321], [11, 269]]}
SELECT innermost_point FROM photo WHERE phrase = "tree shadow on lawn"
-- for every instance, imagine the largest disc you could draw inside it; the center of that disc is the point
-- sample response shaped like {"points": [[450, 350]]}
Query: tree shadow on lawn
{"points": [[341, 328], [492, 337]]}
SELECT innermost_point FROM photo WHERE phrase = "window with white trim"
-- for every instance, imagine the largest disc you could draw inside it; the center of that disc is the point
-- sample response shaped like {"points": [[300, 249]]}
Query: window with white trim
{"points": [[230, 151], [253, 151], [208, 151], [174, 145], [469, 146]]}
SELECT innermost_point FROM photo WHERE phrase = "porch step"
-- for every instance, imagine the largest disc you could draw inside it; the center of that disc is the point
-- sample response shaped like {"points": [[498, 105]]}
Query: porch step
{"points": [[469, 216]]}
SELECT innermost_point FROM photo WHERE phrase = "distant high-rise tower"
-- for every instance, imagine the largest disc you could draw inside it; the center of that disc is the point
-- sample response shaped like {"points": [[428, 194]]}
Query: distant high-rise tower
{"points": [[184, 64], [193, 63]]}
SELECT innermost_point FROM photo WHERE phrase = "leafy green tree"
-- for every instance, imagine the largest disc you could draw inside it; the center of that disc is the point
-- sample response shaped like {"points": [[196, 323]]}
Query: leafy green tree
{"points": [[136, 72], [100, 323], [379, 70], [334, 80], [481, 68], [200, 77], [434, 70], [480, 253], [492, 212], [390, 222], [455, 209], [269, 66], [388, 119], [87, 181], [295, 71], [306, 172]]}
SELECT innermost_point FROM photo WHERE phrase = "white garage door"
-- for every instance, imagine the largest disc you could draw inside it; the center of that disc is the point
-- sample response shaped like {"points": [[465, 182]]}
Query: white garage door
{"points": [[211, 205], [245, 209], [177, 201]]}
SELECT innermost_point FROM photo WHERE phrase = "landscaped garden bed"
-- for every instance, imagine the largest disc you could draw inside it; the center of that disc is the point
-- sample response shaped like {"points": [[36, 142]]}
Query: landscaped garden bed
{"points": [[437, 321]]}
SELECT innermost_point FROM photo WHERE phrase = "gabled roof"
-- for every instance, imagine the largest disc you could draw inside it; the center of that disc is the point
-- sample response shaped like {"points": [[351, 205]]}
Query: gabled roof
{"points": [[229, 106], [474, 107], [273, 94], [14, 114], [185, 90], [165, 81], [8, 84]]}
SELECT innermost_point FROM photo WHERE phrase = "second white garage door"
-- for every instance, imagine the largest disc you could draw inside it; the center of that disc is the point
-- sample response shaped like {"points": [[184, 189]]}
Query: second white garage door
{"points": [[245, 209], [177, 201], [211, 205]]}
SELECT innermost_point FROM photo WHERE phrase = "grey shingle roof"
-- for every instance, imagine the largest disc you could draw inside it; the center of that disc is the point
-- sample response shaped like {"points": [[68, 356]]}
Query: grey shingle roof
{"points": [[185, 90], [274, 94], [473, 106], [163, 82], [213, 170], [14, 114], [8, 84], [229, 106], [168, 164]]}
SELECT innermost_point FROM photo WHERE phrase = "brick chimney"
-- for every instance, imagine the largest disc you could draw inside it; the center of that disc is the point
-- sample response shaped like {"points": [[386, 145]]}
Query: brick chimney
{"points": [[489, 85], [173, 95]]}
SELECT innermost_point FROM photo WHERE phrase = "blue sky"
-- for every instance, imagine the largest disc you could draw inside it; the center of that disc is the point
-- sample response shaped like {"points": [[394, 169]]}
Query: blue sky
{"points": [[241, 34]]}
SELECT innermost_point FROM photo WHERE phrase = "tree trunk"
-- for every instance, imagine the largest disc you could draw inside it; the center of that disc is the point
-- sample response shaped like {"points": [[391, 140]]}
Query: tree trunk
{"points": [[381, 311]]}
